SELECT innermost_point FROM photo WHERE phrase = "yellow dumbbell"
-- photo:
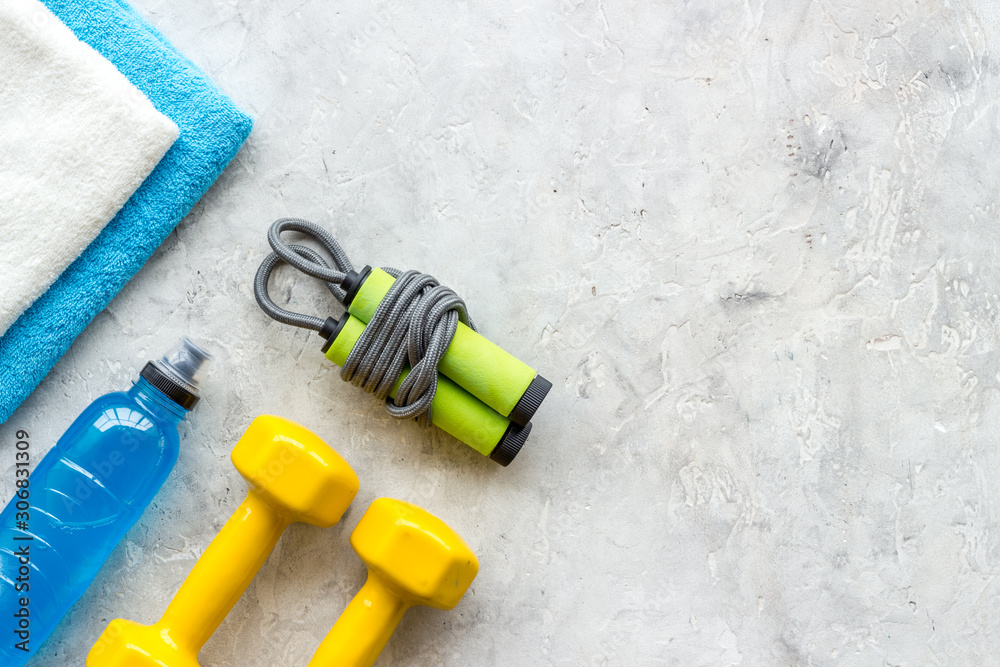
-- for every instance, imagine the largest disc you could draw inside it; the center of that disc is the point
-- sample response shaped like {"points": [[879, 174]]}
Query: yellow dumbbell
{"points": [[413, 558], [293, 476]]}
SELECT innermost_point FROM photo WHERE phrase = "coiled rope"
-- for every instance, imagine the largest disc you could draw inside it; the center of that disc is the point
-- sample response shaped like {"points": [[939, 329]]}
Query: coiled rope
{"points": [[413, 326]]}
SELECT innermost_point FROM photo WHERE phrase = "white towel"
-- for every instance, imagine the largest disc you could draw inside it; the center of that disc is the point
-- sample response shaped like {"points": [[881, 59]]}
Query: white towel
{"points": [[76, 140]]}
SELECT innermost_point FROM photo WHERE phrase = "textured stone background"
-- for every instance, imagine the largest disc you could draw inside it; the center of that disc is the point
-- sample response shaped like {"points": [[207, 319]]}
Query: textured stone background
{"points": [[754, 244]]}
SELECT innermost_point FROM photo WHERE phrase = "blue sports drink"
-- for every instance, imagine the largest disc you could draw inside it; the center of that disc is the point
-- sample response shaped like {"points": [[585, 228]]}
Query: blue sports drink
{"points": [[85, 494]]}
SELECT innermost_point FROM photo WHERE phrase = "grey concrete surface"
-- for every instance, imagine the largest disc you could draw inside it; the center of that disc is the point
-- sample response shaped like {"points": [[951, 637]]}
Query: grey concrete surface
{"points": [[753, 244]]}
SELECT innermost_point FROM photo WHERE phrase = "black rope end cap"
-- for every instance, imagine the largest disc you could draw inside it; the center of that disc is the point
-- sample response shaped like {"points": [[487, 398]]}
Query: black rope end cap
{"points": [[331, 329], [530, 401], [352, 282], [510, 444]]}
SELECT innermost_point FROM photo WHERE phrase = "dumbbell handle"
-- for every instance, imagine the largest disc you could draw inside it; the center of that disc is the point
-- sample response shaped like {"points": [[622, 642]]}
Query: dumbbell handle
{"points": [[223, 572], [362, 631]]}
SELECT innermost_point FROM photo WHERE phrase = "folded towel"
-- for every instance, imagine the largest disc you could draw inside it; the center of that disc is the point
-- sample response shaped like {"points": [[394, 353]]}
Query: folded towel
{"points": [[76, 140], [211, 131]]}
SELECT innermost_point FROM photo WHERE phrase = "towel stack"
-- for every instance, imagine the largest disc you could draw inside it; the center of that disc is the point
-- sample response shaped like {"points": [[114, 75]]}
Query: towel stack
{"points": [[74, 256], [63, 107]]}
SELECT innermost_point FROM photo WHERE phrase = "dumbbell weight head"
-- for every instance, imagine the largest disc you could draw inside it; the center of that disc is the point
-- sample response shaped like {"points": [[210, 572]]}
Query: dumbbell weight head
{"points": [[295, 471], [129, 644], [415, 553], [413, 558]]}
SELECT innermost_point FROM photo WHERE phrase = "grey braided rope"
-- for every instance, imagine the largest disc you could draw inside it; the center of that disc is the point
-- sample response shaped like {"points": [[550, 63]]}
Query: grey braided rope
{"points": [[413, 325]]}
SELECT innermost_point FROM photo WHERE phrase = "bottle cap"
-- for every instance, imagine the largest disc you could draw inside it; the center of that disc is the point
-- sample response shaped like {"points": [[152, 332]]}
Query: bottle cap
{"points": [[179, 372]]}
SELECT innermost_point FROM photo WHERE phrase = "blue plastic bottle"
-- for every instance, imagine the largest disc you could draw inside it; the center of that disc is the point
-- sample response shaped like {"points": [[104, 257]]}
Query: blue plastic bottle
{"points": [[85, 494]]}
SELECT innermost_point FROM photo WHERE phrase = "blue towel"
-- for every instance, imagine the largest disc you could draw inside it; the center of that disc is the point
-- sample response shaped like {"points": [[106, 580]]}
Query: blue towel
{"points": [[212, 129]]}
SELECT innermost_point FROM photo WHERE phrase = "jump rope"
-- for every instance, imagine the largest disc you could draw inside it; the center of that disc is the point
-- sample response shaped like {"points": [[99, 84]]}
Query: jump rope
{"points": [[410, 341]]}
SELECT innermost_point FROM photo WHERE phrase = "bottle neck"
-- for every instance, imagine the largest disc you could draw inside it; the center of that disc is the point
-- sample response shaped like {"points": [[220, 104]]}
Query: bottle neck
{"points": [[156, 401]]}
